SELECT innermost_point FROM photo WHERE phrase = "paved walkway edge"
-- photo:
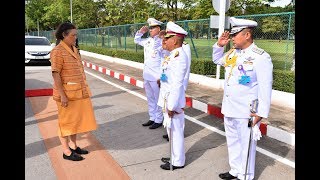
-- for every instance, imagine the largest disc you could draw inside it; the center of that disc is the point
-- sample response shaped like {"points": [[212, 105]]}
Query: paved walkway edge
{"points": [[101, 163], [267, 130]]}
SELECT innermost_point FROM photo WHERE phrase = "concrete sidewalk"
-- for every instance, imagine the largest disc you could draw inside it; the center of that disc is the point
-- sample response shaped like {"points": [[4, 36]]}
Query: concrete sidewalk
{"points": [[281, 122]]}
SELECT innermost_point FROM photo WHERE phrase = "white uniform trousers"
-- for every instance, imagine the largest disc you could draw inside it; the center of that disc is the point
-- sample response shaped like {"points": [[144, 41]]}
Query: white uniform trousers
{"points": [[177, 127], [152, 92], [237, 134]]}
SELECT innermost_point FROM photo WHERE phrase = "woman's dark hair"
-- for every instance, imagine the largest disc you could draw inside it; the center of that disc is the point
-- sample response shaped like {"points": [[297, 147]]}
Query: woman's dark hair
{"points": [[63, 28]]}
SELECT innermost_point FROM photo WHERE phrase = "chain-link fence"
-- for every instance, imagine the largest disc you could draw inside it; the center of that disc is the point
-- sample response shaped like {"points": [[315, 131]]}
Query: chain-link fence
{"points": [[275, 34]]}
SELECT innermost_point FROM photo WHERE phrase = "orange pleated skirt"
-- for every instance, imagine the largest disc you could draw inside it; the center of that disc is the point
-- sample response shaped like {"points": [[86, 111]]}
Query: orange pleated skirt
{"points": [[78, 117]]}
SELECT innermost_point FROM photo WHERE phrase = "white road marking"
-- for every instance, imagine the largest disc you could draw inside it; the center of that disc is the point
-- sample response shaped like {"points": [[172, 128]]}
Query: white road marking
{"points": [[117, 86], [194, 120], [30, 68]]}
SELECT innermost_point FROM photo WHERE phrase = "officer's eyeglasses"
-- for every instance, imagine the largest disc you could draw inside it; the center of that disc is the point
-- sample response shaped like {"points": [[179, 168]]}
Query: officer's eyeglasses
{"points": [[234, 35], [152, 27], [168, 37]]}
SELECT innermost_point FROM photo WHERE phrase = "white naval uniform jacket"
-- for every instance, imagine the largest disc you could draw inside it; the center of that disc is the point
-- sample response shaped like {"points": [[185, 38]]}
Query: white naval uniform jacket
{"points": [[152, 59], [187, 50], [237, 97], [175, 68]]}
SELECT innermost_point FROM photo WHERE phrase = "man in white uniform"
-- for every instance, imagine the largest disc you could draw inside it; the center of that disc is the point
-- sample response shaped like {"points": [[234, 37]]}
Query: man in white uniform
{"points": [[187, 50], [172, 93], [151, 70], [248, 76]]}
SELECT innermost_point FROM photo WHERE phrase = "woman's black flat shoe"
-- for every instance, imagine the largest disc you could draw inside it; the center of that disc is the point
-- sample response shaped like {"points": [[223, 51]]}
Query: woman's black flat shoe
{"points": [[79, 150], [73, 157]]}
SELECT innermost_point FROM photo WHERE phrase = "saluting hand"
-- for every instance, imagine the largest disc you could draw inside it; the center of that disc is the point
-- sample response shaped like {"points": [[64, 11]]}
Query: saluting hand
{"points": [[162, 33], [223, 39], [144, 29]]}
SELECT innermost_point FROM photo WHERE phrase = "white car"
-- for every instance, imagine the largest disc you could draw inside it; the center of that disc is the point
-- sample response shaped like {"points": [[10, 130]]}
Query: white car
{"points": [[37, 49]]}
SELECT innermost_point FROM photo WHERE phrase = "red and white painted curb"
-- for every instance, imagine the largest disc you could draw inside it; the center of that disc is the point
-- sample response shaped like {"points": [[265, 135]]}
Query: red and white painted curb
{"points": [[38, 92], [265, 129], [114, 74]]}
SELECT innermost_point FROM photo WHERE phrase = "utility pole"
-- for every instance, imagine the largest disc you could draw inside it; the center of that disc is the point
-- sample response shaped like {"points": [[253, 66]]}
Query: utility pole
{"points": [[71, 11], [221, 27], [38, 27], [27, 25], [26, 18], [220, 6]]}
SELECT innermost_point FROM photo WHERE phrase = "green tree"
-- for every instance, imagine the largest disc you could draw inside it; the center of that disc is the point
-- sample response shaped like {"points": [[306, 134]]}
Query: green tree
{"points": [[85, 13], [56, 13], [271, 25], [245, 7], [203, 10], [174, 10], [35, 10]]}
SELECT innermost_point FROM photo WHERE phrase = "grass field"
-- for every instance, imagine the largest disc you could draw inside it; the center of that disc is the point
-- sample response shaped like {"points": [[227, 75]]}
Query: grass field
{"points": [[281, 52]]}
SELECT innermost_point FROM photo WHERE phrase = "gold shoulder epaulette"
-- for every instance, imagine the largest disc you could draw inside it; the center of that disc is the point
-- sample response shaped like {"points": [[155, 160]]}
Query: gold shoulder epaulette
{"points": [[258, 50], [184, 42], [230, 51]]}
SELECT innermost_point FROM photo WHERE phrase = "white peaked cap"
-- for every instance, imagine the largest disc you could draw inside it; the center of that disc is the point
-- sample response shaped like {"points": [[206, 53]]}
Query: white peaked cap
{"points": [[175, 30], [239, 24], [154, 22]]}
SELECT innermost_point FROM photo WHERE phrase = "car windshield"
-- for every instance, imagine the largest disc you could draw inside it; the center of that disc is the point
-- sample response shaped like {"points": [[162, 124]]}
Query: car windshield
{"points": [[37, 41]]}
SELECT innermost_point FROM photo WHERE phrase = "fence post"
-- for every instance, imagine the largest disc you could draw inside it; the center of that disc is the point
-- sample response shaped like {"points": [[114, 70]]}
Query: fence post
{"points": [[108, 37], [96, 36], [86, 37], [125, 37], [190, 35], [288, 41], [102, 37], [136, 46]]}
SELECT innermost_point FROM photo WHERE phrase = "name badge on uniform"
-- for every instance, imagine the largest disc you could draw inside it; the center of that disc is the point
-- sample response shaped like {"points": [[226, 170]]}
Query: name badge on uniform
{"points": [[163, 77], [247, 65], [244, 79]]}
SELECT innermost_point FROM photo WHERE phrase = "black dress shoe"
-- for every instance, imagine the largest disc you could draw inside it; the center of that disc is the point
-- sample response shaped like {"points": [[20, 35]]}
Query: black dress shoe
{"points": [[165, 160], [148, 123], [73, 157], [227, 176], [166, 137], [166, 166], [155, 125], [79, 150]]}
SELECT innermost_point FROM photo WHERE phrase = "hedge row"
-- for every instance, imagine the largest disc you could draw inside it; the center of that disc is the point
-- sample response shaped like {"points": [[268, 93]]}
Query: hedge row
{"points": [[283, 80]]}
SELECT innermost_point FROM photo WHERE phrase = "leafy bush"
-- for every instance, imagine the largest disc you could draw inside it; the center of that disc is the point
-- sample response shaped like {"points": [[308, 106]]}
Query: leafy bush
{"points": [[284, 80]]}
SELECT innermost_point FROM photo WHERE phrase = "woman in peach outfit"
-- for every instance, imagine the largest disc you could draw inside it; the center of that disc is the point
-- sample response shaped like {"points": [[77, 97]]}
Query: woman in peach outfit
{"points": [[71, 92]]}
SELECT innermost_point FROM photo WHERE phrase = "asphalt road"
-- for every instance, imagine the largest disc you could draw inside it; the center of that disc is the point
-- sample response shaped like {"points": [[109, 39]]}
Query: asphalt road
{"points": [[120, 109]]}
